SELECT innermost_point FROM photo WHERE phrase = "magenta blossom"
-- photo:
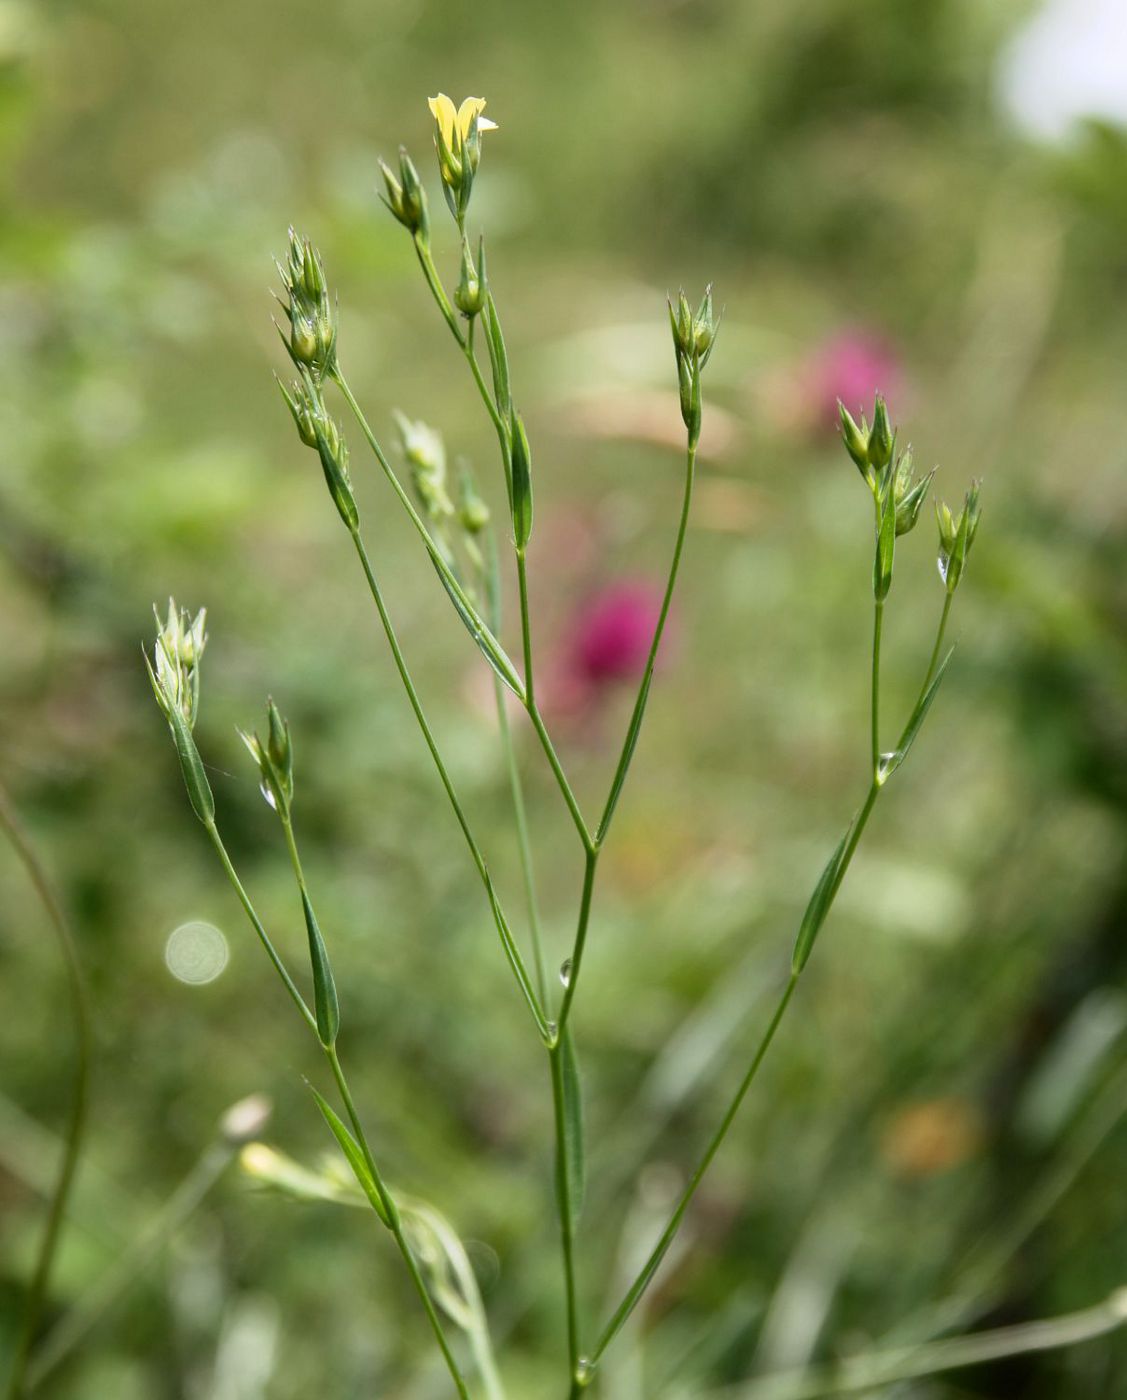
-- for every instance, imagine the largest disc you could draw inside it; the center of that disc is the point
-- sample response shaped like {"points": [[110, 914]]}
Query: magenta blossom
{"points": [[612, 633], [852, 366]]}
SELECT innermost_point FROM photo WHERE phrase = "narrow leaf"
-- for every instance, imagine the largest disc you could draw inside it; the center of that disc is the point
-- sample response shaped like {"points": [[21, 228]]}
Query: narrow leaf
{"points": [[522, 484], [498, 358], [355, 1158], [486, 642], [325, 1003], [574, 1158], [912, 728], [195, 779], [819, 905]]}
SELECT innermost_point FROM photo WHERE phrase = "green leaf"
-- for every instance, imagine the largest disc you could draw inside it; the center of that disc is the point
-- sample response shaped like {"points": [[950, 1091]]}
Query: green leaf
{"points": [[498, 359], [195, 779], [354, 1156], [522, 484], [325, 1003], [486, 642], [912, 728], [819, 906], [574, 1158]]}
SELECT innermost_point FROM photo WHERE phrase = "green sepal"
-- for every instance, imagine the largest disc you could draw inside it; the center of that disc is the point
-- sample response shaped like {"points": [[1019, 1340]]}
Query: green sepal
{"points": [[485, 641], [886, 545], [574, 1155], [325, 1004], [354, 1156], [893, 760], [191, 765], [522, 484], [819, 906]]}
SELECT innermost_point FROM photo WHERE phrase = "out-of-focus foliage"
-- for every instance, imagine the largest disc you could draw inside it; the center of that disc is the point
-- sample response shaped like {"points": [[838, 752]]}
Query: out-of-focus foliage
{"points": [[959, 1039]]}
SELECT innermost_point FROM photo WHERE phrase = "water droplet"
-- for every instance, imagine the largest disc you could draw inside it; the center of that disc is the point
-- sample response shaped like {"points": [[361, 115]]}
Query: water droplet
{"points": [[584, 1371], [565, 971], [196, 953], [269, 796]]}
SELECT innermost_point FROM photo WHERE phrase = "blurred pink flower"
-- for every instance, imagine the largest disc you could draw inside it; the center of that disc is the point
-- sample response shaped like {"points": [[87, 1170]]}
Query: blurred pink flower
{"points": [[612, 634], [607, 641], [851, 366]]}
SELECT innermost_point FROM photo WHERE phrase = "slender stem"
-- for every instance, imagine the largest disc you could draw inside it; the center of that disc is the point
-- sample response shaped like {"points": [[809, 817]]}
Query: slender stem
{"points": [[565, 1207], [527, 864], [561, 777], [264, 938], [589, 871], [444, 569], [464, 339], [934, 662], [76, 1324], [638, 1287], [878, 618], [76, 1123], [396, 1225], [644, 690], [512, 952], [342, 1085], [525, 628]]}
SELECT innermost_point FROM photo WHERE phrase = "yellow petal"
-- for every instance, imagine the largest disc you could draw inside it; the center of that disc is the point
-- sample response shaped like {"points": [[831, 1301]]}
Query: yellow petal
{"points": [[470, 108], [445, 114]]}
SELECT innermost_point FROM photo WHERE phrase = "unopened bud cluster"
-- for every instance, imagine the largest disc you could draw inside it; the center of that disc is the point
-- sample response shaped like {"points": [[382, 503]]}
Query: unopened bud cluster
{"points": [[317, 428], [406, 197], [899, 497], [693, 339], [450, 520], [312, 337], [274, 759], [174, 673]]}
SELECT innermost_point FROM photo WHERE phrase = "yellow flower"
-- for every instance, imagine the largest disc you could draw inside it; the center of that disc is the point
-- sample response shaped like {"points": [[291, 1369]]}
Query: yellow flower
{"points": [[454, 122]]}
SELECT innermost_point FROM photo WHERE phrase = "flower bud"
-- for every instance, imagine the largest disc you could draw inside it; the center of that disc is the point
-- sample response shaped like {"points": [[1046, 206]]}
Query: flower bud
{"points": [[956, 535], [856, 439], [908, 496], [681, 324], [469, 295], [688, 373], [704, 327], [473, 513], [312, 317], [881, 437]]}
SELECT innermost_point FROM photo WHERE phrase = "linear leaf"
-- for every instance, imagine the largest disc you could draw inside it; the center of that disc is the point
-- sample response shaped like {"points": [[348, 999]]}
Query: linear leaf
{"points": [[355, 1158], [486, 642], [325, 1002], [912, 728], [819, 905]]}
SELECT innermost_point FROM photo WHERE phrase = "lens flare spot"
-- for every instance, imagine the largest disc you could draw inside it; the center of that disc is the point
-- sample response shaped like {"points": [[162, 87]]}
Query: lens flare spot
{"points": [[196, 953]]}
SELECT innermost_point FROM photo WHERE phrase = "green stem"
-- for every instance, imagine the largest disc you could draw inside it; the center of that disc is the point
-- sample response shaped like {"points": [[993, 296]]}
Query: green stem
{"points": [[37, 1291], [263, 937], [934, 662], [75, 1325], [878, 618], [512, 952], [527, 864], [448, 575], [644, 690], [589, 871], [396, 1225], [641, 1283], [565, 1210]]}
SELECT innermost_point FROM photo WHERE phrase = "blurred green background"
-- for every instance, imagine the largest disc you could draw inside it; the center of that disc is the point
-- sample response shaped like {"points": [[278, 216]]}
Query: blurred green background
{"points": [[941, 1113]]}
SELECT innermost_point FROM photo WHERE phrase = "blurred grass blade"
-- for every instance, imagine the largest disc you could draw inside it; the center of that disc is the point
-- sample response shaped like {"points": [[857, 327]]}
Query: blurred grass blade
{"points": [[487, 644], [912, 728], [354, 1157], [522, 485], [819, 905], [325, 1004]]}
